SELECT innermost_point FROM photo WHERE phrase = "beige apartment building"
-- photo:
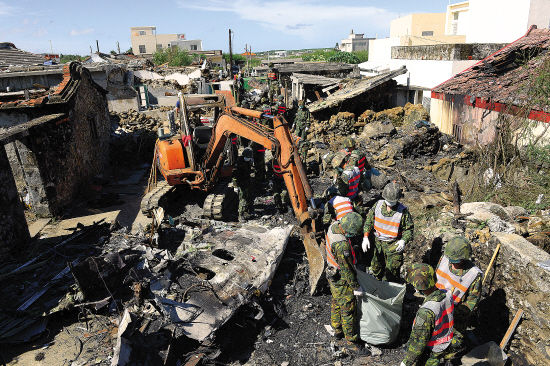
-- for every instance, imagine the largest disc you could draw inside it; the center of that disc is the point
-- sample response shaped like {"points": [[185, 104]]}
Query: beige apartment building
{"points": [[146, 40], [423, 29], [355, 42]]}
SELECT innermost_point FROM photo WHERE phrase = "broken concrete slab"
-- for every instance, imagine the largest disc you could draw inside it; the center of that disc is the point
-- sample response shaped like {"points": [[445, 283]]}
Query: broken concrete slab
{"points": [[243, 261], [378, 129], [483, 211]]}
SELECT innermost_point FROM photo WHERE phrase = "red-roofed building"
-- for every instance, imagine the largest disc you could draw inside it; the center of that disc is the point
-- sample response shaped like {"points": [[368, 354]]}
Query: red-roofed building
{"points": [[470, 104]]}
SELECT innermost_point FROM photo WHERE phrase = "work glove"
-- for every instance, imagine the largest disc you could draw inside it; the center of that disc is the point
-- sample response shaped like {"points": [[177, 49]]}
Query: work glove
{"points": [[402, 364], [366, 244], [358, 291], [400, 246]]}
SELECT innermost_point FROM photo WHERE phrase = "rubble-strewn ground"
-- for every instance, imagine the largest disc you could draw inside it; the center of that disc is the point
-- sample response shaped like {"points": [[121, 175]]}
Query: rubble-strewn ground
{"points": [[134, 271]]}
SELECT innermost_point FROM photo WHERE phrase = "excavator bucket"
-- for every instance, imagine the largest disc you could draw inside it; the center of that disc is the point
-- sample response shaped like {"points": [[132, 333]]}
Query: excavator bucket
{"points": [[315, 258]]}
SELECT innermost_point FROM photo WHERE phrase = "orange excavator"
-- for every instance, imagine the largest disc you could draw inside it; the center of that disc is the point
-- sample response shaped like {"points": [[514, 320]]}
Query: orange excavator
{"points": [[200, 156]]}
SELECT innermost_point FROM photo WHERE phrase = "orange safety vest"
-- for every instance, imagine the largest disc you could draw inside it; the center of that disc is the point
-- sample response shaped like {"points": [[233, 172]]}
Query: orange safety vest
{"points": [[387, 228], [456, 285], [331, 238], [442, 334], [342, 206]]}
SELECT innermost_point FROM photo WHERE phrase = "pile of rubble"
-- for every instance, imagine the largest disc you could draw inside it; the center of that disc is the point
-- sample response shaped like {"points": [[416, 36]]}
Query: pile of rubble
{"points": [[159, 296], [133, 137], [133, 121]]}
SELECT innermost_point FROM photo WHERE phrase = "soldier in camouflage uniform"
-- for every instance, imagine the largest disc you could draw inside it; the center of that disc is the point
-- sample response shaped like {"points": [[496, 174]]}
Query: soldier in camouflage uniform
{"points": [[432, 336], [459, 275], [301, 121], [389, 224], [342, 278], [241, 181]]}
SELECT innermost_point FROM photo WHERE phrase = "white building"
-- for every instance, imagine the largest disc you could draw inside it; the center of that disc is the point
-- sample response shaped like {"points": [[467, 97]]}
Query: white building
{"points": [[468, 32], [504, 21], [354, 42]]}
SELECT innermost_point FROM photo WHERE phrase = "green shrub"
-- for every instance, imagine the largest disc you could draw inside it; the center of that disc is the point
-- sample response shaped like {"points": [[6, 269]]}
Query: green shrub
{"points": [[68, 58], [172, 56], [336, 56]]}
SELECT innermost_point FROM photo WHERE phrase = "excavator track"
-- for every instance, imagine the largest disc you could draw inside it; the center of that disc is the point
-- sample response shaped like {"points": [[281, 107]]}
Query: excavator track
{"points": [[152, 200], [221, 204]]}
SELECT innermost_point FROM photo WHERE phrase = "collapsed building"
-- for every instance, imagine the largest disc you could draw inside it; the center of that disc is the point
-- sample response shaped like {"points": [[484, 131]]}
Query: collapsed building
{"points": [[53, 143], [471, 104]]}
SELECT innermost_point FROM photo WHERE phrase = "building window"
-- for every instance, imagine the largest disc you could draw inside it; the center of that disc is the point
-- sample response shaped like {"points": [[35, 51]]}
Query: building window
{"points": [[141, 33], [193, 47], [159, 47], [141, 48], [427, 33], [455, 15]]}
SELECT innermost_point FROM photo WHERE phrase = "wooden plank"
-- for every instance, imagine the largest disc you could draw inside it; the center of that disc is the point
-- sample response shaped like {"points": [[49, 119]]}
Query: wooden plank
{"points": [[511, 329]]}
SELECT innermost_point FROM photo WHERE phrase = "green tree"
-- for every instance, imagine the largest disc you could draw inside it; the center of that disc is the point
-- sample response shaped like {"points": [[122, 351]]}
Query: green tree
{"points": [[68, 58]]}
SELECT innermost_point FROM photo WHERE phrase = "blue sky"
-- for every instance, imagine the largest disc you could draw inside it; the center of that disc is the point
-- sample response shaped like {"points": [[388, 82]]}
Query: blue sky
{"points": [[74, 26]]}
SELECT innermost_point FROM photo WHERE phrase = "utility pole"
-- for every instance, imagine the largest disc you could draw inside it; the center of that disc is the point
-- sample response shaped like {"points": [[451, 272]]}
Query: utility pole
{"points": [[51, 47], [91, 50], [246, 54], [97, 45], [230, 56], [118, 47]]}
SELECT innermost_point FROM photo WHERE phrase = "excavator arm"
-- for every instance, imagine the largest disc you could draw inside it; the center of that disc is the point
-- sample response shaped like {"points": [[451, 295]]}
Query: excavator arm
{"points": [[281, 143]]}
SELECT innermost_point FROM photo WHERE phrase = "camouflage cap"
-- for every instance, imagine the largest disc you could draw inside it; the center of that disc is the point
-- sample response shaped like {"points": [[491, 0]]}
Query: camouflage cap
{"points": [[263, 100], [352, 224], [421, 276], [349, 143], [392, 193], [458, 249]]}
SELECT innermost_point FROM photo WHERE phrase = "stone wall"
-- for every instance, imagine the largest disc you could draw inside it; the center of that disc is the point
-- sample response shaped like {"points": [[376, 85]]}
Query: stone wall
{"points": [[75, 150], [446, 52], [518, 282], [58, 158], [13, 228]]}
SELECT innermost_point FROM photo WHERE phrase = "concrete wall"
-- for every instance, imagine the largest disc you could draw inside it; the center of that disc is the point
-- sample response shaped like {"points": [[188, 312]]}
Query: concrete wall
{"points": [[539, 13], [478, 125], [427, 74], [415, 24], [476, 51], [380, 49], [428, 40], [187, 45], [498, 21]]}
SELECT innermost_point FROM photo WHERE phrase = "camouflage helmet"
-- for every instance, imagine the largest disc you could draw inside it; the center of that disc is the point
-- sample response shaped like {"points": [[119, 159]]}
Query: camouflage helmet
{"points": [[352, 224], [458, 249], [421, 276], [349, 143], [263, 100], [338, 159], [392, 193]]}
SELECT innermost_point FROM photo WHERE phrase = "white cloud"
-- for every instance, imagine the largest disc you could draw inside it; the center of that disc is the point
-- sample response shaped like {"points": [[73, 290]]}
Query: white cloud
{"points": [[79, 32], [41, 32], [5, 9], [305, 18]]}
